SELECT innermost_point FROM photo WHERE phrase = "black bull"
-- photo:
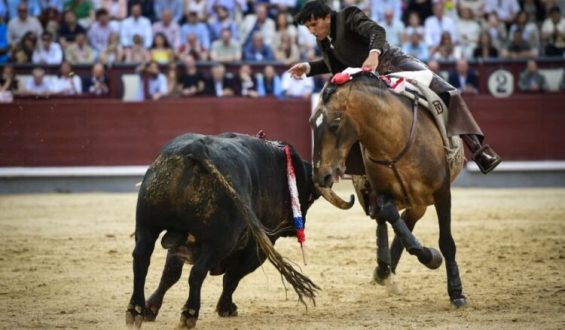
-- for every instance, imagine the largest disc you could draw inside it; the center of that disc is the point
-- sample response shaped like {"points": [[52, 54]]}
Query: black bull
{"points": [[216, 196]]}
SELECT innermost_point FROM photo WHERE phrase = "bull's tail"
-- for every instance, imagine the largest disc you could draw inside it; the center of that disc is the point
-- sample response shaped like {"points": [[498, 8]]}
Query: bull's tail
{"points": [[303, 286]]}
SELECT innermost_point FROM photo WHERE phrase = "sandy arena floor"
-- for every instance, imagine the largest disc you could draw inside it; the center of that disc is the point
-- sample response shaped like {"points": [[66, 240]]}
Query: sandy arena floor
{"points": [[65, 262]]}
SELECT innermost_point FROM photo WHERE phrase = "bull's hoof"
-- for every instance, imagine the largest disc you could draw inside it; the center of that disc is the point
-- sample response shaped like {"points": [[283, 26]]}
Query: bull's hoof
{"points": [[436, 259], [150, 313], [134, 316], [227, 310], [187, 322], [380, 275], [459, 302]]}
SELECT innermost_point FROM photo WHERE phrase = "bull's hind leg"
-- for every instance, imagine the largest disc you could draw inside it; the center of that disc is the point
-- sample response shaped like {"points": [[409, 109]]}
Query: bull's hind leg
{"points": [[410, 216], [144, 245], [171, 274], [448, 248]]}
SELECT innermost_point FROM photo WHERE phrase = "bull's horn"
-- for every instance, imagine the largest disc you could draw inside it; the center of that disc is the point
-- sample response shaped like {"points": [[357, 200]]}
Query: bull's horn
{"points": [[333, 198]]}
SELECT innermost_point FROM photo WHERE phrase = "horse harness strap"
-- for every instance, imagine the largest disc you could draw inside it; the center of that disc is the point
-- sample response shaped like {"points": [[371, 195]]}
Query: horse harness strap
{"points": [[392, 163]]}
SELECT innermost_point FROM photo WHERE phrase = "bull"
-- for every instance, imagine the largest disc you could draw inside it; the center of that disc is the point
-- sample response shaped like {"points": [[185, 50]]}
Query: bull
{"points": [[223, 201]]}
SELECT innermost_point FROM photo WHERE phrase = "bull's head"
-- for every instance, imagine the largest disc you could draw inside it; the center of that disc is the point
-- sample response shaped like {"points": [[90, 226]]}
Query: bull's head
{"points": [[334, 135]]}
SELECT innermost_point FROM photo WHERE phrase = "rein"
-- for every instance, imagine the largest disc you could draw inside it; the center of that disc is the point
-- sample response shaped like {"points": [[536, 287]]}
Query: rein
{"points": [[392, 163]]}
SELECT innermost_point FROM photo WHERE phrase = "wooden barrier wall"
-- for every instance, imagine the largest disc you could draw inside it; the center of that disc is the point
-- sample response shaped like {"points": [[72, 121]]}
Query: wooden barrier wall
{"points": [[96, 132]]}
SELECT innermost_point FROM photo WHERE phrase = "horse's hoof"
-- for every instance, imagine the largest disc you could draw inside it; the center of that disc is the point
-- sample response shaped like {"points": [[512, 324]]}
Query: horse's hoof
{"points": [[459, 302], [150, 313], [380, 277], [227, 310], [134, 316], [436, 260], [188, 319]]}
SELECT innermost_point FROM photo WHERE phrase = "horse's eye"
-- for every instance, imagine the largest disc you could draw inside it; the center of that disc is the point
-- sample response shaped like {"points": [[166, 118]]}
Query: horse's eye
{"points": [[334, 125]]}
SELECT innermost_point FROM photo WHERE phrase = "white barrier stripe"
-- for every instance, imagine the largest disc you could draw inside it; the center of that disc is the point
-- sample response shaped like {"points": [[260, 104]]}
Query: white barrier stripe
{"points": [[74, 171], [522, 166]]}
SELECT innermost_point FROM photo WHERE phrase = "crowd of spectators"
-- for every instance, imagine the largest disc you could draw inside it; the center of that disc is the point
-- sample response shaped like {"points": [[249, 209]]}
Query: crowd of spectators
{"points": [[161, 33]]}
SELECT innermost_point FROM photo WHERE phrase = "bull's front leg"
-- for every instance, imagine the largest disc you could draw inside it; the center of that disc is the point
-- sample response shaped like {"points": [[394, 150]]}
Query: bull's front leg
{"points": [[144, 245]]}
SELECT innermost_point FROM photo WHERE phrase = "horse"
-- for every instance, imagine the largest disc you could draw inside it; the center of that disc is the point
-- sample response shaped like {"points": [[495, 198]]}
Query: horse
{"points": [[405, 165]]}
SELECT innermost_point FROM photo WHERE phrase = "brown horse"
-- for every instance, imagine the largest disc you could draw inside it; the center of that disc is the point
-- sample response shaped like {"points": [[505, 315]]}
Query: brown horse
{"points": [[405, 163]]}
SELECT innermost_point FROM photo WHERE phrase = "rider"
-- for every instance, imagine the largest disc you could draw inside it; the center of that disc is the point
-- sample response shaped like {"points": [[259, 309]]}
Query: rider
{"points": [[351, 39]]}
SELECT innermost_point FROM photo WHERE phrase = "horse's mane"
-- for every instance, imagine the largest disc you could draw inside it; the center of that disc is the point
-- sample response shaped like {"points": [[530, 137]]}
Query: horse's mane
{"points": [[362, 81]]}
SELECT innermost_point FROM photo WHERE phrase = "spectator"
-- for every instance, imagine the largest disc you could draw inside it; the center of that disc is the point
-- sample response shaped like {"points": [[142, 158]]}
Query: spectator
{"points": [[113, 53], [97, 83], [287, 52], [67, 82], [258, 50], [446, 51], [416, 47], [306, 43], [137, 53], [49, 52], [38, 84], [530, 31], [518, 48], [269, 83], [469, 31], [79, 52], [9, 84], [197, 28], [226, 49], [23, 51], [464, 79], [33, 8], [147, 8], [223, 21], [284, 6], [379, 9], [220, 84], [414, 27], [117, 9], [191, 82], [394, 28], [553, 33], [22, 24], [283, 27], [136, 25], [200, 7], [193, 48], [99, 32], [433, 65], [49, 19], [535, 10], [84, 11], [422, 7], [175, 7], [497, 31], [476, 6], [173, 86], [69, 29], [247, 82], [169, 28], [435, 26], [505, 9], [153, 81], [293, 88], [531, 80], [235, 7], [485, 49], [258, 22], [161, 51]]}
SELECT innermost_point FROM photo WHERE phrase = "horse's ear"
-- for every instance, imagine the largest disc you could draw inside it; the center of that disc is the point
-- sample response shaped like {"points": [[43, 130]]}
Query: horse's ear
{"points": [[328, 91]]}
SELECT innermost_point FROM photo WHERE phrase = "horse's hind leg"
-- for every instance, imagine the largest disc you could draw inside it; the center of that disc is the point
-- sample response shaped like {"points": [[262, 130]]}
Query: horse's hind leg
{"points": [[388, 211], [448, 248], [410, 216], [171, 274]]}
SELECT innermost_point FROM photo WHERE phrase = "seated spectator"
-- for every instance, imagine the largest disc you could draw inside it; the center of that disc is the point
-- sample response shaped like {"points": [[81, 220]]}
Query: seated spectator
{"points": [[536, 9], [469, 31], [173, 86], [416, 47], [380, 7], [153, 83], [79, 52], [257, 22], [485, 49], [437, 26], [33, 8], [476, 6], [23, 51], [446, 51], [50, 20], [97, 83], [200, 7], [497, 31], [136, 25], [225, 49], [553, 33], [518, 48], [67, 82], [196, 27], [220, 84], [464, 79], [37, 85], [147, 8], [117, 9], [423, 8], [247, 82], [49, 52], [531, 80], [8, 84], [414, 26], [173, 6], [505, 9], [21, 24], [269, 83], [258, 51], [113, 53], [161, 51], [137, 53], [169, 28], [283, 28], [191, 82], [287, 52], [530, 31], [84, 11], [193, 48], [393, 26], [223, 21], [99, 32], [302, 88], [69, 29]]}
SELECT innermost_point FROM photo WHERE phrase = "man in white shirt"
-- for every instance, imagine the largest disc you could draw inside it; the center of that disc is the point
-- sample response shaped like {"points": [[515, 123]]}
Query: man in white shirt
{"points": [[437, 24], [259, 21], [301, 88], [136, 24], [49, 52], [380, 7], [20, 25], [169, 28], [505, 9], [37, 85], [152, 83], [67, 82], [394, 28]]}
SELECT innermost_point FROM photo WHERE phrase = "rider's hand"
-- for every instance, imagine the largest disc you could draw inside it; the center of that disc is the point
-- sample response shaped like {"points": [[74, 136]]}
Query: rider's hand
{"points": [[372, 61], [299, 69]]}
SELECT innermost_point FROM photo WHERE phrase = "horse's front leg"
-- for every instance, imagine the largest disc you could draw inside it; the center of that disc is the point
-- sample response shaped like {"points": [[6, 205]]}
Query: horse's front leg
{"points": [[382, 272]]}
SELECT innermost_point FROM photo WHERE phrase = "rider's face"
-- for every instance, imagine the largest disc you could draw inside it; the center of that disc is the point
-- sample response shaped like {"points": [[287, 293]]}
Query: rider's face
{"points": [[319, 27]]}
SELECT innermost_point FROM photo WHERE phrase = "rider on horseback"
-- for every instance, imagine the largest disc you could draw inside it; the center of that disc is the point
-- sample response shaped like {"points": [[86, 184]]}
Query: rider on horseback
{"points": [[351, 39]]}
